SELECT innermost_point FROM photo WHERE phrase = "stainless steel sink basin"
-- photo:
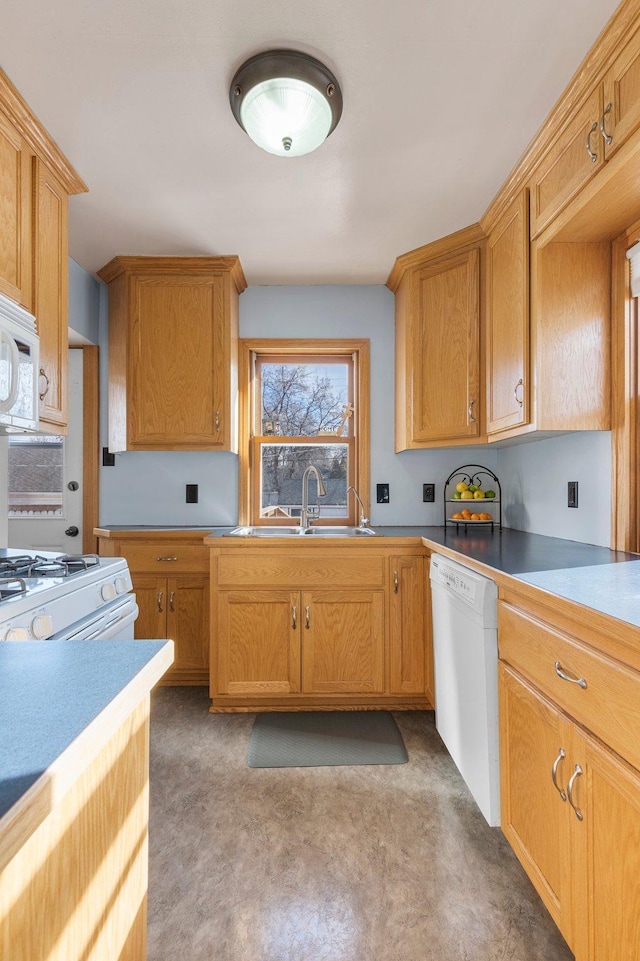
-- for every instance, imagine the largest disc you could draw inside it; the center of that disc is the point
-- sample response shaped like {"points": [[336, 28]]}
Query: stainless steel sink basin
{"points": [[316, 532]]}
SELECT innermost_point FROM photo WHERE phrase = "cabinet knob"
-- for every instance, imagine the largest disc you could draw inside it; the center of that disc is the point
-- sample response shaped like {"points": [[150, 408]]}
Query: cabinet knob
{"points": [[605, 136], [592, 154]]}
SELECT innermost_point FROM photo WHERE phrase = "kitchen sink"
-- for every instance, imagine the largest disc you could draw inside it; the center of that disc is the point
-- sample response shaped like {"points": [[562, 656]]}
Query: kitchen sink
{"points": [[317, 532]]}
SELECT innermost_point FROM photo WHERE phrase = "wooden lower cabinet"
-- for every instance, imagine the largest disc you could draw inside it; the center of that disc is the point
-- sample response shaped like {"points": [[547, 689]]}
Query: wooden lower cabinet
{"points": [[532, 736], [177, 608], [170, 573], [258, 643], [571, 804], [336, 629]]}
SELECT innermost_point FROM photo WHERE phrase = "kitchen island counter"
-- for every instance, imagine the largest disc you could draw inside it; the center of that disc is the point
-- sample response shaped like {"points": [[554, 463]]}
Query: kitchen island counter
{"points": [[74, 796]]}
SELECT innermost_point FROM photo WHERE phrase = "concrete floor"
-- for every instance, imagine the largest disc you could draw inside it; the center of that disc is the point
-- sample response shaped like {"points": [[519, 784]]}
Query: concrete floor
{"points": [[384, 863]]}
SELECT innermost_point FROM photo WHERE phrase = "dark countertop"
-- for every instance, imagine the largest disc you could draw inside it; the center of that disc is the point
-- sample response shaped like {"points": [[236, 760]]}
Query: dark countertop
{"points": [[51, 691], [518, 553]]}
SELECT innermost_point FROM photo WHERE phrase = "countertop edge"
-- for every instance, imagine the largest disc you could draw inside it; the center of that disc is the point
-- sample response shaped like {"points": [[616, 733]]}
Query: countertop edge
{"points": [[26, 815]]}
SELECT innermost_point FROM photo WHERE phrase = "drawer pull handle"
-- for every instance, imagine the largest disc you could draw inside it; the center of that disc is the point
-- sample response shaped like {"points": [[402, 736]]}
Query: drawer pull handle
{"points": [[166, 558], [580, 681], [572, 780], [592, 154], [472, 419], [294, 617], [217, 421], [554, 773], [395, 582], [47, 384], [159, 601], [605, 135], [307, 617], [171, 597]]}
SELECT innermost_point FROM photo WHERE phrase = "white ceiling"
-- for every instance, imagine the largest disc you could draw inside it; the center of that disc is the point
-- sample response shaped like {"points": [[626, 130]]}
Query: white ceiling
{"points": [[441, 97]]}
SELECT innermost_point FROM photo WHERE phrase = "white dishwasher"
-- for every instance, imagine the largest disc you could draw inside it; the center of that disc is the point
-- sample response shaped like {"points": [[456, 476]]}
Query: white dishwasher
{"points": [[465, 644]]}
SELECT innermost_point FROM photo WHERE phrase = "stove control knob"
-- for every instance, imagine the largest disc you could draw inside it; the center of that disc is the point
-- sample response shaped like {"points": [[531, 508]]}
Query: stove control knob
{"points": [[121, 585], [108, 592], [41, 626], [17, 634]]}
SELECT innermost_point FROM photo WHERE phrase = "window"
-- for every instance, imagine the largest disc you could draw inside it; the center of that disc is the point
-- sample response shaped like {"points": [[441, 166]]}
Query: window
{"points": [[36, 475], [304, 403]]}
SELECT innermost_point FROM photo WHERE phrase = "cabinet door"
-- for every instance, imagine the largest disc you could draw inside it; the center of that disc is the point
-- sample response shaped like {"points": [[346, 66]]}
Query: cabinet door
{"points": [[406, 625], [568, 165], [533, 735], [343, 642], [508, 319], [607, 861], [445, 361], [15, 216], [51, 270], [151, 595], [187, 605], [177, 377], [622, 97], [257, 644]]}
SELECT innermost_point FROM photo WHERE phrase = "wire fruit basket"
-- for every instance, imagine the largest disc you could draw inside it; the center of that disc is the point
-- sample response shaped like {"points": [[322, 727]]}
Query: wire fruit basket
{"points": [[477, 495]]}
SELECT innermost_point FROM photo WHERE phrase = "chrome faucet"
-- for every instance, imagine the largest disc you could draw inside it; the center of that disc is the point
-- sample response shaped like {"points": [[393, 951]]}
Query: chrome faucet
{"points": [[363, 520], [305, 520]]}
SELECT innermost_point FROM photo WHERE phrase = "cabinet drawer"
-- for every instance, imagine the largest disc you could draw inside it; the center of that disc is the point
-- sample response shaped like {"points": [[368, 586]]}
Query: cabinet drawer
{"points": [[166, 558], [607, 705], [330, 569]]}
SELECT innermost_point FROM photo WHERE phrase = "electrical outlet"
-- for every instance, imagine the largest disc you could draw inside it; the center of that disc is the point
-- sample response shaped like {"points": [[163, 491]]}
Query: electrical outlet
{"points": [[572, 494], [428, 493], [192, 494], [382, 493], [108, 459]]}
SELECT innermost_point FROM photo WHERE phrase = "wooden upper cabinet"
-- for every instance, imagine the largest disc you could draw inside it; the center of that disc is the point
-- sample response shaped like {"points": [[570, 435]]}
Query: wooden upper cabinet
{"points": [[572, 159], [35, 183], [173, 334], [438, 379], [51, 273], [508, 319], [15, 220], [621, 113]]}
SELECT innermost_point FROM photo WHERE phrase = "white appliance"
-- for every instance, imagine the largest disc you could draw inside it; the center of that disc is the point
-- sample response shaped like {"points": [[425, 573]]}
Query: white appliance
{"points": [[48, 596], [465, 643], [19, 369]]}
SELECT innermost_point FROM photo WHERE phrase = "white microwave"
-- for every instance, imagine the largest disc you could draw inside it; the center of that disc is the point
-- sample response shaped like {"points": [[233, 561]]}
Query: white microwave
{"points": [[19, 369]]}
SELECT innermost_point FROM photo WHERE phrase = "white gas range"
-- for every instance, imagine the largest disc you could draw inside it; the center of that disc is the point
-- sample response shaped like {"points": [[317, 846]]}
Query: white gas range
{"points": [[49, 596]]}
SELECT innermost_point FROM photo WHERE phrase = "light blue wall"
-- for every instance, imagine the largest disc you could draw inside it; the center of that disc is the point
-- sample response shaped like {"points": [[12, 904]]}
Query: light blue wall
{"points": [[149, 487], [534, 482], [84, 298]]}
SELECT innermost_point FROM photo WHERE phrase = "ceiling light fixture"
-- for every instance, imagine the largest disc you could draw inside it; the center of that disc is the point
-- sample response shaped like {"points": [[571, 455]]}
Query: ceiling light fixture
{"points": [[286, 101]]}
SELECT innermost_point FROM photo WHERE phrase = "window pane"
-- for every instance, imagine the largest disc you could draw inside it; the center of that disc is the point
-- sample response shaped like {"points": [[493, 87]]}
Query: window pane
{"points": [[305, 399], [35, 475], [282, 467]]}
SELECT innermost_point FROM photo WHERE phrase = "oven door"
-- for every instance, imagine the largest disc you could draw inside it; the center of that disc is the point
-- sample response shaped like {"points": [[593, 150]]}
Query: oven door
{"points": [[113, 622]]}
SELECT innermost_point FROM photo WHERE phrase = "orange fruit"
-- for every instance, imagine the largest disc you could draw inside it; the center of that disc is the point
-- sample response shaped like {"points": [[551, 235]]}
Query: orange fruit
{"points": [[476, 517]]}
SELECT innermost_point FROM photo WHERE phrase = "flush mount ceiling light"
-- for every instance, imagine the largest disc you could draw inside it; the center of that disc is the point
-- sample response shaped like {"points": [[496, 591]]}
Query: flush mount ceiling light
{"points": [[288, 102]]}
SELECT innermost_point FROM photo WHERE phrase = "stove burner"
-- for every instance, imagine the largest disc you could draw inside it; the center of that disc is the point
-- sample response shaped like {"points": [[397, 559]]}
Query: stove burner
{"points": [[65, 565], [11, 587]]}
